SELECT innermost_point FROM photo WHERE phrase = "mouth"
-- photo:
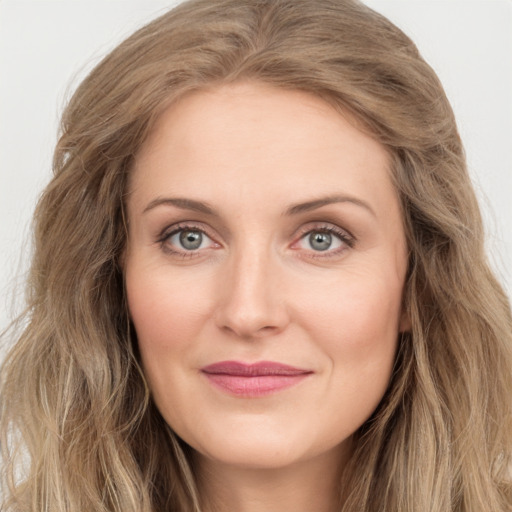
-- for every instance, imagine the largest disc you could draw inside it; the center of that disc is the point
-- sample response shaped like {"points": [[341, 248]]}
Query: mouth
{"points": [[253, 380]]}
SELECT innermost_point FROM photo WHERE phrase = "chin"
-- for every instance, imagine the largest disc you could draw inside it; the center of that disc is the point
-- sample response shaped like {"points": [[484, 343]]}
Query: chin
{"points": [[257, 447]]}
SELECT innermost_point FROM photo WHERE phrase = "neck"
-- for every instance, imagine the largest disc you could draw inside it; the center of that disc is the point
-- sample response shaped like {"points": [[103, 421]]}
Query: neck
{"points": [[300, 487]]}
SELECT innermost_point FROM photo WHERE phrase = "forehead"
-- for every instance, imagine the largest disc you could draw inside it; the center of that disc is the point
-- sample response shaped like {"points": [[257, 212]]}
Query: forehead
{"points": [[247, 139]]}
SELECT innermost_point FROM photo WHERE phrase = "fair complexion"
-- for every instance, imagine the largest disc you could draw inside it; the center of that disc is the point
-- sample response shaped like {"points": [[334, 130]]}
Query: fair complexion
{"points": [[264, 230]]}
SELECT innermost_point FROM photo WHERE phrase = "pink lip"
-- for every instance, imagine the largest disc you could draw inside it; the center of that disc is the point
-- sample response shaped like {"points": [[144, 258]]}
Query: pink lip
{"points": [[253, 380]]}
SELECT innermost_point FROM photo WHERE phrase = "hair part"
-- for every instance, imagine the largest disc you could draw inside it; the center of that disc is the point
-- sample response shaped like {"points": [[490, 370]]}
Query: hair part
{"points": [[75, 402]]}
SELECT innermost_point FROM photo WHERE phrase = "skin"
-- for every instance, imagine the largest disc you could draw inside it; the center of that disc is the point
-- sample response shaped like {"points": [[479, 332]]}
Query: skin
{"points": [[258, 289]]}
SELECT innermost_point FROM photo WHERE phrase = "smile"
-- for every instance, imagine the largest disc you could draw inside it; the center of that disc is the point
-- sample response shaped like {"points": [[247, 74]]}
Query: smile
{"points": [[253, 380]]}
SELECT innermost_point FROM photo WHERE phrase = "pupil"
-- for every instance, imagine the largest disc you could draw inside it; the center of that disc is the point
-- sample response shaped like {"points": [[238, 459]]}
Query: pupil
{"points": [[191, 239], [320, 241]]}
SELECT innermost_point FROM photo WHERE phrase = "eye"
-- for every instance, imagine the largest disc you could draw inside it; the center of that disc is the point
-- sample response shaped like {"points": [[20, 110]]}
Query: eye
{"points": [[321, 241], [329, 240], [186, 240], [189, 240]]}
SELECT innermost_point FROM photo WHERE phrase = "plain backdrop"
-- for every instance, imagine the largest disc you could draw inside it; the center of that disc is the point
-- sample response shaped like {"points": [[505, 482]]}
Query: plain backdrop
{"points": [[47, 46]]}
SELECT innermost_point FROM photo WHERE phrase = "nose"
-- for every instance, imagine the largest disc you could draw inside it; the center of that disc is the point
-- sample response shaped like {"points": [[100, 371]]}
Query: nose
{"points": [[251, 303]]}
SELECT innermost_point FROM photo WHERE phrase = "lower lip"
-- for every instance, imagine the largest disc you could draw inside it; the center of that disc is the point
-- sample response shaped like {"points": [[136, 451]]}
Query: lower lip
{"points": [[254, 386]]}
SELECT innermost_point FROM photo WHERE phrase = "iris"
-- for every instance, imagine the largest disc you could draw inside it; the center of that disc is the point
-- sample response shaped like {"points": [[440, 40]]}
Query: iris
{"points": [[191, 240], [320, 241]]}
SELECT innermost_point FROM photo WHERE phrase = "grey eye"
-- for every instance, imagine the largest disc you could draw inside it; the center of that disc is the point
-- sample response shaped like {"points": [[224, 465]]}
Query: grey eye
{"points": [[320, 241], [191, 240]]}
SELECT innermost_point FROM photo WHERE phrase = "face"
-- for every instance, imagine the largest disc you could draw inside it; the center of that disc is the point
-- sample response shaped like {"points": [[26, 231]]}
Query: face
{"points": [[264, 271]]}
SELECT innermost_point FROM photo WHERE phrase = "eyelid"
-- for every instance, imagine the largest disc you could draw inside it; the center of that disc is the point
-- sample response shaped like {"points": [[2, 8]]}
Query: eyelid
{"points": [[173, 229], [348, 240]]}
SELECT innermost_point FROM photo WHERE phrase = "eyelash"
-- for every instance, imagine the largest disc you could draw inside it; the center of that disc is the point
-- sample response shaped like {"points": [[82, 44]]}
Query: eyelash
{"points": [[169, 232], [347, 239]]}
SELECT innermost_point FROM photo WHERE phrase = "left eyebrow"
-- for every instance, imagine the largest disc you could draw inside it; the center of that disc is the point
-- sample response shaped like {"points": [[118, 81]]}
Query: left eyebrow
{"points": [[324, 201]]}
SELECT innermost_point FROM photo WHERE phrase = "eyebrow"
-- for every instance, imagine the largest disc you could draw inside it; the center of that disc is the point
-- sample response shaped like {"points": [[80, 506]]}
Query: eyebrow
{"points": [[182, 203], [324, 201], [295, 209]]}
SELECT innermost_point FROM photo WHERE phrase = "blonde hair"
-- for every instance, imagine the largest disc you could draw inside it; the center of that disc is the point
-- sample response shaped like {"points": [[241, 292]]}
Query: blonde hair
{"points": [[79, 429]]}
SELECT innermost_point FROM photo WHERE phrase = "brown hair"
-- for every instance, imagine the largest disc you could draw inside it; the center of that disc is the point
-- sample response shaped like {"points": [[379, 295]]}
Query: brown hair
{"points": [[77, 417]]}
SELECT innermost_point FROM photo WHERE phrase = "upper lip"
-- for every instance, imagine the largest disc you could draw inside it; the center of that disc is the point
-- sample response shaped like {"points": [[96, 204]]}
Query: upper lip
{"points": [[261, 368]]}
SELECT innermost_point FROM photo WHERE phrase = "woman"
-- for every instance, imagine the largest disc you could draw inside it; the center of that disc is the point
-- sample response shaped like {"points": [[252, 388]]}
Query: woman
{"points": [[259, 281]]}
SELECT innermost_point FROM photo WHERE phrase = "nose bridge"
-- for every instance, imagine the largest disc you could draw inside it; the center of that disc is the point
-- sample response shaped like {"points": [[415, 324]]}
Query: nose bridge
{"points": [[251, 304]]}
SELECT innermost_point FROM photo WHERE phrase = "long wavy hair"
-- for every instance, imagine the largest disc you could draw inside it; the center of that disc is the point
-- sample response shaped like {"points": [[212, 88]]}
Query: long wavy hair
{"points": [[79, 430]]}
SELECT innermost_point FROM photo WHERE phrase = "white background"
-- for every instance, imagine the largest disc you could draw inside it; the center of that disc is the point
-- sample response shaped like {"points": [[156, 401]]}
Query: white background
{"points": [[47, 46]]}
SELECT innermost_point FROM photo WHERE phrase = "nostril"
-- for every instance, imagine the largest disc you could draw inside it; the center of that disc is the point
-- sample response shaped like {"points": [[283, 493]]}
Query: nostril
{"points": [[247, 332], [268, 329]]}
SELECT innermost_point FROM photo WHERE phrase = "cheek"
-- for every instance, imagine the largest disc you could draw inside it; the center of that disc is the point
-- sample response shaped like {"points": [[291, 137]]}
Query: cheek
{"points": [[166, 309], [361, 311], [168, 312], [356, 325]]}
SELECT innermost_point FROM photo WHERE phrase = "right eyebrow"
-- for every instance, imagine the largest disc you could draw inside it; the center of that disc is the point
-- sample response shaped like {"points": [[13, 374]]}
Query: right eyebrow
{"points": [[182, 203]]}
